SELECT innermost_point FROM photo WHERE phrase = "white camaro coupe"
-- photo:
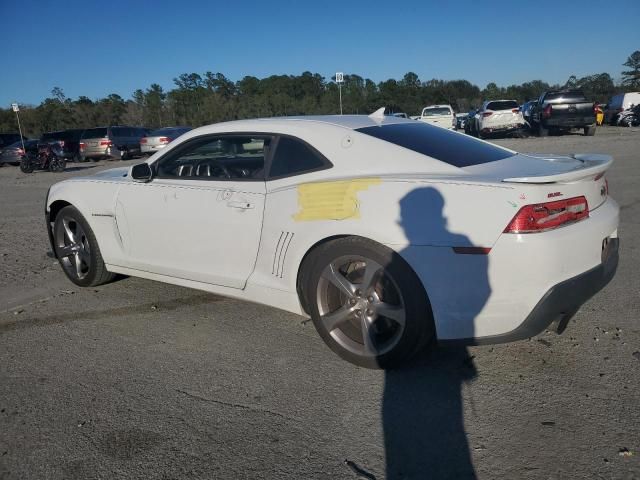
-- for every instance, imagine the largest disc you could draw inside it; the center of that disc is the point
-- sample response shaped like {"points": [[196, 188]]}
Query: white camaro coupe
{"points": [[389, 233]]}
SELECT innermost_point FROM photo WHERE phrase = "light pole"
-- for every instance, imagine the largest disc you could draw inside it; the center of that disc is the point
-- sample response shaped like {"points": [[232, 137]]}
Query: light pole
{"points": [[340, 81], [16, 109]]}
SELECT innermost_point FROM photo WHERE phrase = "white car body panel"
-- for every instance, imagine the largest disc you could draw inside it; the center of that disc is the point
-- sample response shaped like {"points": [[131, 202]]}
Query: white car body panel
{"points": [[498, 120], [196, 233], [444, 121]]}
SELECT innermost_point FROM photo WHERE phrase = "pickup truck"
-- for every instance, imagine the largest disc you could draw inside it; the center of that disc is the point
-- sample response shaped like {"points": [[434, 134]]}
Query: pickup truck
{"points": [[562, 110]]}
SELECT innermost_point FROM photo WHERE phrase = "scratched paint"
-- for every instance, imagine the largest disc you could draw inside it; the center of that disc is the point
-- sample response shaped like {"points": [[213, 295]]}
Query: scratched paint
{"points": [[337, 200]]}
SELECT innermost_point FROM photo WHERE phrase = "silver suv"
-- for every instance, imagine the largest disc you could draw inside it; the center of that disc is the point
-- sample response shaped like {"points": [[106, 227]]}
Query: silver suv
{"points": [[113, 142]]}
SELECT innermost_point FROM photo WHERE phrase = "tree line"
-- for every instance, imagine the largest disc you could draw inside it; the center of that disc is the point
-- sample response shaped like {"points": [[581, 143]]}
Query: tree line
{"points": [[199, 99]]}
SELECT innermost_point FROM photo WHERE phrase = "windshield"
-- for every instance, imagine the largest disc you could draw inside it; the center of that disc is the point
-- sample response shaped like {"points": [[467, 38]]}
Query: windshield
{"points": [[435, 111], [439, 143]]}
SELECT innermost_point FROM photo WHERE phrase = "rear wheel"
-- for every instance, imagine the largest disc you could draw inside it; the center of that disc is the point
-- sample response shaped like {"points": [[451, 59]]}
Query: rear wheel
{"points": [[366, 303], [77, 249], [542, 132], [590, 130], [26, 166], [57, 164]]}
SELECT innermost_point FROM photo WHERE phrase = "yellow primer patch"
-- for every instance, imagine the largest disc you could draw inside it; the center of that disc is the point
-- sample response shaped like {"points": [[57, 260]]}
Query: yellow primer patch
{"points": [[337, 200]]}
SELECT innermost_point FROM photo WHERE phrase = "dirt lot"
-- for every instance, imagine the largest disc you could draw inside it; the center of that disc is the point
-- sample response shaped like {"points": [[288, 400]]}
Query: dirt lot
{"points": [[137, 379]]}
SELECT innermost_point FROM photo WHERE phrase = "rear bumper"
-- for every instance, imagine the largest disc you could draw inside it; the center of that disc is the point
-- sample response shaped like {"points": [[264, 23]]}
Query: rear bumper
{"points": [[151, 148], [560, 302], [569, 123]]}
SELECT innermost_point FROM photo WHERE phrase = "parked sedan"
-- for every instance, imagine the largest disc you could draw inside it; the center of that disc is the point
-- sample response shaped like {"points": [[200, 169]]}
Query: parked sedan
{"points": [[390, 233], [158, 139], [13, 153]]}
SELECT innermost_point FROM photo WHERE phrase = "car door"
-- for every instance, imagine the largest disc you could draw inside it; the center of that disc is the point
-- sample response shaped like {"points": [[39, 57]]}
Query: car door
{"points": [[200, 217]]}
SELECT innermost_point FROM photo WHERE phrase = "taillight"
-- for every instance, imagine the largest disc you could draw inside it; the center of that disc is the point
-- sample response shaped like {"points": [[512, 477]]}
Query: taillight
{"points": [[486, 114], [143, 140], [20, 151], [105, 143], [606, 186], [546, 113], [547, 216], [164, 139], [515, 110], [81, 145]]}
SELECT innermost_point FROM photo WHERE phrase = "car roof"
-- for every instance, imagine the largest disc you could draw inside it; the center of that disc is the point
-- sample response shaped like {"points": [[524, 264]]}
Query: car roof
{"points": [[350, 122]]}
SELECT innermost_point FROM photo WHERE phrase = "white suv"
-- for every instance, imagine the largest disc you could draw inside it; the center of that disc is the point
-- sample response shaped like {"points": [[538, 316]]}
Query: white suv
{"points": [[439, 115], [497, 116]]}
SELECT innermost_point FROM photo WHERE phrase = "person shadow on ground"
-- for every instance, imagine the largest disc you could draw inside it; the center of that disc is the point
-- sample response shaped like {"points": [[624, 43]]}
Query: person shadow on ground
{"points": [[422, 407]]}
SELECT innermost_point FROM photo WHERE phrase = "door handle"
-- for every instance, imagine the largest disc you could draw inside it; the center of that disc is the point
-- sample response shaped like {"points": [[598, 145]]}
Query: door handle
{"points": [[241, 205]]}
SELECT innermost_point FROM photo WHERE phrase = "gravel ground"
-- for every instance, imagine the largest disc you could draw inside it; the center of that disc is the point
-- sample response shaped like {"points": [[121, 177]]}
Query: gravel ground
{"points": [[136, 379]]}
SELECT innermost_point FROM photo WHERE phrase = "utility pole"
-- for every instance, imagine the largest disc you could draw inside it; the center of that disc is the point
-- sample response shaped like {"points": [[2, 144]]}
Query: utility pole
{"points": [[16, 109], [340, 81]]}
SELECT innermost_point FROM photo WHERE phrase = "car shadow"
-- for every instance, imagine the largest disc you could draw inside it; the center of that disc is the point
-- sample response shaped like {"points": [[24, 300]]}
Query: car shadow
{"points": [[422, 406]]}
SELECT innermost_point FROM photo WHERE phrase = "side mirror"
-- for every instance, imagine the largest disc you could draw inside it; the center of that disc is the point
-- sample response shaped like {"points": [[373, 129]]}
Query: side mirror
{"points": [[141, 172]]}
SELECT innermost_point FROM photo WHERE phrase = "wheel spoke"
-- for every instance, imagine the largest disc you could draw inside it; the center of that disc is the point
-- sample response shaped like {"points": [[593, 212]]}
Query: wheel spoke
{"points": [[370, 275], [66, 251], [78, 263], [334, 276], [67, 230], [336, 318], [369, 345], [392, 312]]}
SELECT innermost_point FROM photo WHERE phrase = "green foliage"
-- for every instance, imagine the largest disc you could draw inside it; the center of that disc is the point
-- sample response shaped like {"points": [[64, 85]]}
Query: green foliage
{"points": [[631, 78], [211, 97]]}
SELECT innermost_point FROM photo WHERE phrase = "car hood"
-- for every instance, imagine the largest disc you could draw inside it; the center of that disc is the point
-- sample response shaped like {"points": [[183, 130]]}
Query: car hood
{"points": [[111, 174]]}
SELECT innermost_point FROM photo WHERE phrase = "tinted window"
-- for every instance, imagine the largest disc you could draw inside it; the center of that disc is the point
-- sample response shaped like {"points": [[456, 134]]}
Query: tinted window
{"points": [[569, 96], [70, 135], [121, 132], [173, 132], [94, 133], [444, 145], [217, 158], [432, 112], [294, 157], [50, 136], [502, 105]]}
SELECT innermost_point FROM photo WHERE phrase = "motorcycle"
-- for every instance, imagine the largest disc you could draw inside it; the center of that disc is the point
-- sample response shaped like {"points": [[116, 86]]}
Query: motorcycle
{"points": [[629, 117], [48, 157]]}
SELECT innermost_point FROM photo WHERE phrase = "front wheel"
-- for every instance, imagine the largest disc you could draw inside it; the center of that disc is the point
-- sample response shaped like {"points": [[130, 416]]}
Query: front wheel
{"points": [[77, 249], [366, 303]]}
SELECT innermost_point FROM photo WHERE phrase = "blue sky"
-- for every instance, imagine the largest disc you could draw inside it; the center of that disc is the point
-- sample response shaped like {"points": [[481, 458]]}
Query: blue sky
{"points": [[94, 48]]}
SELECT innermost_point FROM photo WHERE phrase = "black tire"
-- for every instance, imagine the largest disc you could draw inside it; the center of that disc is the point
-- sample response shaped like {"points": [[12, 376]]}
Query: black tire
{"points": [[589, 131], [395, 281], [124, 154], [57, 165], [84, 249], [542, 132], [26, 166]]}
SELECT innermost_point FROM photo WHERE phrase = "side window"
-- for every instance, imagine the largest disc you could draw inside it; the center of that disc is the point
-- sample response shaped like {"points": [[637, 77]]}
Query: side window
{"points": [[293, 157], [217, 158]]}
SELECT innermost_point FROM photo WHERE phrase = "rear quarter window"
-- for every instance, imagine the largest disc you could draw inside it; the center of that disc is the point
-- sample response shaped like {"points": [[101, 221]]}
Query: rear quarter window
{"points": [[439, 143], [294, 157]]}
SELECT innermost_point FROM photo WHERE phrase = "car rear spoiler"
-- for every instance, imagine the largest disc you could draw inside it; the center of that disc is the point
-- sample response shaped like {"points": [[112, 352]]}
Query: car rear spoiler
{"points": [[592, 165]]}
